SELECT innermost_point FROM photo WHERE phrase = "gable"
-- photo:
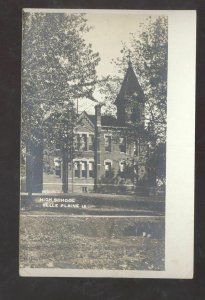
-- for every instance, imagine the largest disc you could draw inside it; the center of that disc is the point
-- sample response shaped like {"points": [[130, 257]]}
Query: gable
{"points": [[84, 124]]}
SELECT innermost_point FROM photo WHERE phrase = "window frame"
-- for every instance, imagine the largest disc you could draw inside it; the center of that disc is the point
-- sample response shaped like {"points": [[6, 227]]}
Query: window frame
{"points": [[108, 173], [84, 172], [77, 170], [89, 171], [123, 144], [122, 173], [91, 138], [84, 139], [109, 147]]}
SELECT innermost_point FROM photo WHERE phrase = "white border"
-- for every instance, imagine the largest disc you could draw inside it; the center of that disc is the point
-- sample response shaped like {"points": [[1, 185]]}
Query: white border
{"points": [[180, 144], [180, 152]]}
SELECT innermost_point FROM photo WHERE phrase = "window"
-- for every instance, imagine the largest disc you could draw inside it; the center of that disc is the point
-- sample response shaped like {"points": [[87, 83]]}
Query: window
{"points": [[143, 149], [57, 149], [77, 169], [84, 169], [122, 169], [108, 143], [135, 115], [84, 142], [122, 145], [108, 172], [77, 141], [91, 169], [91, 142], [84, 189]]}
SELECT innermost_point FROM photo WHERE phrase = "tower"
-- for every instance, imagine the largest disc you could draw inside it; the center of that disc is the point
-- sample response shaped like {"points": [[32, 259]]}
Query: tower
{"points": [[130, 111], [130, 100]]}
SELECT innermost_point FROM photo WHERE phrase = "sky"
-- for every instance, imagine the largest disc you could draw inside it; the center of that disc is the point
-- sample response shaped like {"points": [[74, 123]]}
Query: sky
{"points": [[110, 29], [109, 32]]}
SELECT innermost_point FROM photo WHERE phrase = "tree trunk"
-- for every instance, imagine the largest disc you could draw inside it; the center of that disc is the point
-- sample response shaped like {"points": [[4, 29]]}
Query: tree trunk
{"points": [[29, 175], [65, 172]]}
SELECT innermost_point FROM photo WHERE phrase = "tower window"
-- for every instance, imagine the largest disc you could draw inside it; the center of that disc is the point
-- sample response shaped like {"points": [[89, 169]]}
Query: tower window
{"points": [[143, 149], [135, 114], [108, 143]]}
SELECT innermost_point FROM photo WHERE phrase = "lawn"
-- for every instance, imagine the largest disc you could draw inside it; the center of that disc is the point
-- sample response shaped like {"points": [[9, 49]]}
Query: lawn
{"points": [[61, 241]]}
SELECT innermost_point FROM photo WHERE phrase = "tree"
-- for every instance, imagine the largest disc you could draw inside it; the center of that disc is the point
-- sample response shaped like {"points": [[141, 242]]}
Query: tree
{"points": [[149, 56], [148, 52], [152, 68], [109, 88], [58, 67]]}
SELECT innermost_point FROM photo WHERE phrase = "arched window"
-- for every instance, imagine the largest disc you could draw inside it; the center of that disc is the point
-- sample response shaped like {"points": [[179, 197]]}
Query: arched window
{"points": [[122, 166], [122, 144], [135, 114], [108, 168], [84, 142]]}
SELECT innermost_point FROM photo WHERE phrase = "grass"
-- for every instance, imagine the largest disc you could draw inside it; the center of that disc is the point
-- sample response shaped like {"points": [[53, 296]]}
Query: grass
{"points": [[91, 242]]}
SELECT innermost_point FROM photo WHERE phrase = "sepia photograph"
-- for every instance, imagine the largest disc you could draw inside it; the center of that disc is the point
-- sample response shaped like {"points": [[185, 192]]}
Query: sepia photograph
{"points": [[94, 140]]}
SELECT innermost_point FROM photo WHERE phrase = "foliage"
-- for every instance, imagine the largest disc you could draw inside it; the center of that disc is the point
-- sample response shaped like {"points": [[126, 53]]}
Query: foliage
{"points": [[109, 88], [149, 56], [148, 52], [156, 163], [57, 68]]}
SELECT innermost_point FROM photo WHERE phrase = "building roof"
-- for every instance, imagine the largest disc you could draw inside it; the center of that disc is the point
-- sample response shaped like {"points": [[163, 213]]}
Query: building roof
{"points": [[109, 121], [106, 120], [130, 86]]}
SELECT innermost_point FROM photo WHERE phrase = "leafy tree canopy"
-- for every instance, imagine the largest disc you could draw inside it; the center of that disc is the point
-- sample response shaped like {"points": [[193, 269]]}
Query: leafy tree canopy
{"points": [[57, 68], [148, 52]]}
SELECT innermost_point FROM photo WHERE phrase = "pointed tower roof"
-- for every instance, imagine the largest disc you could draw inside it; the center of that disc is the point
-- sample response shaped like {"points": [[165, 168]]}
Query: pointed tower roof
{"points": [[130, 86]]}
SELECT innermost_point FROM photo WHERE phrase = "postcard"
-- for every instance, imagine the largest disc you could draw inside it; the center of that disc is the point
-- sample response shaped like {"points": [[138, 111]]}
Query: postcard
{"points": [[107, 143]]}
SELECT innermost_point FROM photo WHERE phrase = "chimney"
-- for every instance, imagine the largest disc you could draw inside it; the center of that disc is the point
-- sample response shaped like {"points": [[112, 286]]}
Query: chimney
{"points": [[97, 154], [98, 114]]}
